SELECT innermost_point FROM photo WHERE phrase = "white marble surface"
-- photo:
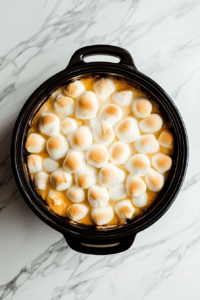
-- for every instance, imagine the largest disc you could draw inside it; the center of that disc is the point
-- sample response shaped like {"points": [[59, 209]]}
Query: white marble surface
{"points": [[37, 40]]}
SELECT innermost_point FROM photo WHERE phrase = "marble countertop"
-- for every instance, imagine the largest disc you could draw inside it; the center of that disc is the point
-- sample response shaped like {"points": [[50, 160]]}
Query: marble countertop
{"points": [[37, 40]]}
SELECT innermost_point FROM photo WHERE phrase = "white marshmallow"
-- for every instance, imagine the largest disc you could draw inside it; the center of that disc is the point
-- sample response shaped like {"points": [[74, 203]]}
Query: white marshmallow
{"points": [[102, 215], [110, 113], [161, 162], [74, 89], [119, 153], [135, 186], [97, 155], [77, 212], [41, 179], [104, 87], [151, 124], [49, 124], [35, 143], [86, 177], [117, 192], [76, 194], [123, 98], [34, 163], [166, 139], [110, 175], [57, 146], [60, 179], [138, 164], [64, 105], [141, 107], [98, 196], [87, 106], [103, 132], [124, 209], [140, 201], [74, 161], [127, 130], [147, 144], [50, 165], [68, 125], [81, 138], [154, 180]]}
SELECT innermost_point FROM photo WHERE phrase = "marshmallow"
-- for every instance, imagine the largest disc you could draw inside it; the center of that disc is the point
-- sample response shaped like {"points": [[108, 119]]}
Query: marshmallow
{"points": [[110, 113], [76, 194], [60, 179], [97, 155], [119, 153], [161, 162], [64, 105], [123, 98], [81, 138], [147, 144], [55, 198], [110, 175], [74, 161], [135, 186], [50, 165], [41, 179], [141, 107], [35, 143], [117, 192], [74, 89], [86, 177], [87, 106], [49, 124], [34, 163], [151, 124], [154, 180], [77, 212], [102, 215], [103, 132], [68, 125], [138, 164], [57, 146], [124, 209], [140, 201], [98, 196], [166, 139], [127, 130], [103, 88]]}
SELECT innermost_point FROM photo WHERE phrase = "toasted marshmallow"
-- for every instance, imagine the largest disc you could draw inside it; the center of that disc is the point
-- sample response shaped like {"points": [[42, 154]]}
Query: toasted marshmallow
{"points": [[98, 196], [102, 215], [50, 165], [127, 130], [151, 124], [74, 161], [77, 212], [55, 198], [49, 124], [81, 138], [110, 175], [64, 105], [161, 162], [124, 209], [97, 155], [34, 163], [87, 106], [117, 192], [35, 143], [41, 179], [123, 98], [74, 89], [60, 179], [103, 132], [104, 87], [119, 153], [141, 108], [138, 164], [135, 186], [147, 144], [76, 194], [140, 201], [154, 180], [57, 146], [110, 113], [166, 139], [68, 125], [86, 177]]}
